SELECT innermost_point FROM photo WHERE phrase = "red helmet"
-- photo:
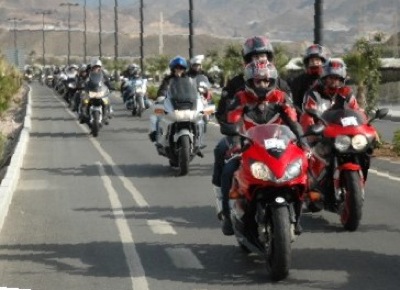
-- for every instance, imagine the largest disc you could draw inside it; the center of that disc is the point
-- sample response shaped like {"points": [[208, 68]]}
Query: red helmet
{"points": [[257, 45]]}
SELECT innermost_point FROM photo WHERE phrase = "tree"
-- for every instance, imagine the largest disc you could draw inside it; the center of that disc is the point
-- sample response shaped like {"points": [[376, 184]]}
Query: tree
{"points": [[157, 65], [363, 66]]}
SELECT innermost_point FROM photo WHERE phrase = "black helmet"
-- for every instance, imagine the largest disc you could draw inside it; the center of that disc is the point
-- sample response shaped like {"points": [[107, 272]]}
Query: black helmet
{"points": [[257, 45]]}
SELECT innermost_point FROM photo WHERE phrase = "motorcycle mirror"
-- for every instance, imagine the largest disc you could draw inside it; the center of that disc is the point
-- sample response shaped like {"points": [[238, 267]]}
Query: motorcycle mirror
{"points": [[381, 113]]}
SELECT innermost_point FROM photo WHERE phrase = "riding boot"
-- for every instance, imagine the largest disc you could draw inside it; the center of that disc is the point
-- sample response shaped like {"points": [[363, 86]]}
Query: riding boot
{"points": [[227, 227]]}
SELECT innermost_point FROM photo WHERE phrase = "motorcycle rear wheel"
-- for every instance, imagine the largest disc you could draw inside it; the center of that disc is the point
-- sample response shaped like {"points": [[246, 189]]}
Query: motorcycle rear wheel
{"points": [[184, 155], [350, 215], [279, 252]]}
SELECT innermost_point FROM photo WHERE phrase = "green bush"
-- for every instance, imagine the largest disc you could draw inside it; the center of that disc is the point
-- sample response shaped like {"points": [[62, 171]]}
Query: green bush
{"points": [[10, 82], [396, 142], [152, 92]]}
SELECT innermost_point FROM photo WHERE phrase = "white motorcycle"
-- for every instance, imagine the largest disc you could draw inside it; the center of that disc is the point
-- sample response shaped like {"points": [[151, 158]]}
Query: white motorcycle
{"points": [[180, 125], [135, 91]]}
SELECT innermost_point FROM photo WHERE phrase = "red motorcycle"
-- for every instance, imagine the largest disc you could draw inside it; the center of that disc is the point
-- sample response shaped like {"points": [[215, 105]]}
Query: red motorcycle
{"points": [[266, 194], [340, 161]]}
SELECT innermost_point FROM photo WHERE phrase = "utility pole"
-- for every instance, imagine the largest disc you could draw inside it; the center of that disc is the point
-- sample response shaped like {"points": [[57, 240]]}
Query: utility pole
{"points": [[14, 20], [191, 28], [44, 12], [68, 4], [84, 33], [100, 53], [116, 31], [141, 36], [318, 21]]}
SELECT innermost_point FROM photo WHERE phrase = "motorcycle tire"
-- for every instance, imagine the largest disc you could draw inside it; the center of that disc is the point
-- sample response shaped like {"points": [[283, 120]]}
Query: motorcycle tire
{"points": [[278, 250], [96, 123], [351, 211], [184, 155]]}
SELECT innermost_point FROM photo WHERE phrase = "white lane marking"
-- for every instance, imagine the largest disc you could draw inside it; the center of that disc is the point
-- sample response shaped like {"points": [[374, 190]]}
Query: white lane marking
{"points": [[184, 258], [137, 273], [161, 227], [136, 195], [384, 174], [5, 288]]}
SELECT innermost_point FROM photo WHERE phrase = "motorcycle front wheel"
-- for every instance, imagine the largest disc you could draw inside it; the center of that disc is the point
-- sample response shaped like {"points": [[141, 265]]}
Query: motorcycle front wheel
{"points": [[184, 154], [351, 211], [278, 249], [96, 123]]}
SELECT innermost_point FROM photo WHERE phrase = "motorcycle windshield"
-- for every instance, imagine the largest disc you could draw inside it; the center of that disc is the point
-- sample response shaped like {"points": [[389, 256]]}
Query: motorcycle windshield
{"points": [[271, 136], [95, 82], [344, 117], [183, 94]]}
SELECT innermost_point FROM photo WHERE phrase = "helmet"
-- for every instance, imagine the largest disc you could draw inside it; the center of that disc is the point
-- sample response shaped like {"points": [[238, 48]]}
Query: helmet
{"points": [[257, 71], [334, 67], [257, 45], [177, 61], [95, 62], [83, 68], [319, 51], [198, 59], [133, 69]]}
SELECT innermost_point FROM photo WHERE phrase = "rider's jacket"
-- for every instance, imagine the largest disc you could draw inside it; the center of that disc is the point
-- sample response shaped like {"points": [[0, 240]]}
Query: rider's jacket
{"points": [[318, 98], [248, 108]]}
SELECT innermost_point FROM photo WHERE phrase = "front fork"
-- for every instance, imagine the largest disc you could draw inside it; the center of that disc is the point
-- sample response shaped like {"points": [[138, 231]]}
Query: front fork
{"points": [[337, 176]]}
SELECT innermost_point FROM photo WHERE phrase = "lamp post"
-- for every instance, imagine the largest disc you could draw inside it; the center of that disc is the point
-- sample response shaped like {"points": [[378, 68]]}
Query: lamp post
{"points": [[191, 28], [14, 20], [100, 52], [68, 4], [115, 31], [318, 21], [84, 33], [141, 36], [43, 13]]}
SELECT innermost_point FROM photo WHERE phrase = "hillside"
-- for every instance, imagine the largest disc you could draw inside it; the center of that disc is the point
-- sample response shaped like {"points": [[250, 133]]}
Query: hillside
{"points": [[281, 20]]}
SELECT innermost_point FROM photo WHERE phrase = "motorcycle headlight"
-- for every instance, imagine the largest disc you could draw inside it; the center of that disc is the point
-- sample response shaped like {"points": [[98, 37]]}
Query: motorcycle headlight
{"points": [[71, 85], [359, 142], [342, 143], [261, 171], [293, 170]]}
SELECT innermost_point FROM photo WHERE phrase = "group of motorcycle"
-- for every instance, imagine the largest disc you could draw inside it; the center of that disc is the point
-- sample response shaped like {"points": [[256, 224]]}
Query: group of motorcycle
{"points": [[276, 175], [88, 98]]}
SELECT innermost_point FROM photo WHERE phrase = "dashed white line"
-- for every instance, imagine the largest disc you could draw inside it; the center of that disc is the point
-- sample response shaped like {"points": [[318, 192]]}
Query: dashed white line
{"points": [[161, 227], [184, 258]]}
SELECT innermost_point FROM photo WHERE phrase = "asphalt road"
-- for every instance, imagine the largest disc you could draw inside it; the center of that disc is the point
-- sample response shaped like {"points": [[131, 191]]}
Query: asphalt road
{"points": [[109, 213]]}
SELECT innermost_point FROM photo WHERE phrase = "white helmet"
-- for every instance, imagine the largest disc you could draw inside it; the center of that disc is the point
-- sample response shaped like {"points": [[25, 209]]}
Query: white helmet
{"points": [[96, 62], [198, 59]]}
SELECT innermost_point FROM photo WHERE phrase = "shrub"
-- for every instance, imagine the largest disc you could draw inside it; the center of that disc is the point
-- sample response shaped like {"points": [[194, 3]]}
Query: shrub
{"points": [[152, 92], [396, 142]]}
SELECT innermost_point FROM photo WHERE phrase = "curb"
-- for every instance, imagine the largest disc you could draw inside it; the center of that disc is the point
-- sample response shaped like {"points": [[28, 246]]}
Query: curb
{"points": [[10, 180]]}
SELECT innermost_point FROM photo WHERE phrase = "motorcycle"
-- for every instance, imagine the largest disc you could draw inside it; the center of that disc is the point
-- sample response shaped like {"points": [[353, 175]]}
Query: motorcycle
{"points": [[70, 88], [180, 129], [266, 194], [135, 91], [340, 161], [95, 107], [203, 87]]}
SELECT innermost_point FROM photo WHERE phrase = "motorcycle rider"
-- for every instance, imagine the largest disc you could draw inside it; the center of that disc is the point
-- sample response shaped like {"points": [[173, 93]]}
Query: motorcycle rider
{"points": [[328, 91], [196, 68], [257, 48], [260, 89], [314, 58], [177, 66], [254, 48], [132, 72], [81, 80], [96, 67]]}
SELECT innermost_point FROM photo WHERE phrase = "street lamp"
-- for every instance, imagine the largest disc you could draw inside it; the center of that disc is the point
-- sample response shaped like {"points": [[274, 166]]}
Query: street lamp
{"points": [[100, 52], [191, 28], [84, 33], [68, 4], [14, 19], [44, 12], [318, 21], [116, 31], [141, 36]]}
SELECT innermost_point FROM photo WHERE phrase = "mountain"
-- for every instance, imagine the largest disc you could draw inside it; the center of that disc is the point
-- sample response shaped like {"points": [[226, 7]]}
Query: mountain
{"points": [[280, 20]]}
